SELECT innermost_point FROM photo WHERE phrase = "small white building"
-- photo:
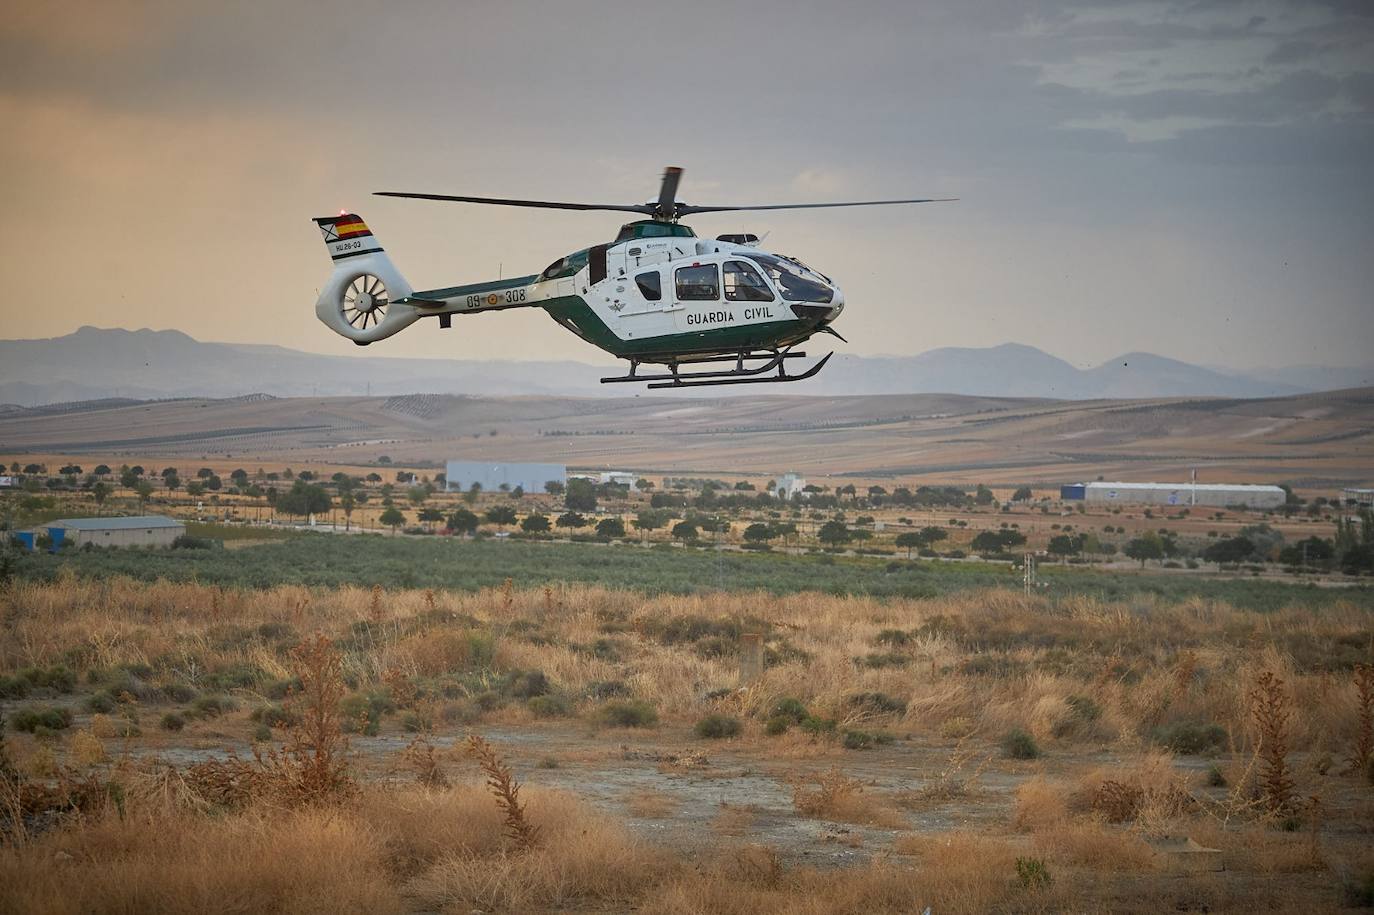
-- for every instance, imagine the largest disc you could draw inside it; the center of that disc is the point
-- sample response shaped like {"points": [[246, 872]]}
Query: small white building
{"points": [[620, 478], [1358, 496], [791, 485]]}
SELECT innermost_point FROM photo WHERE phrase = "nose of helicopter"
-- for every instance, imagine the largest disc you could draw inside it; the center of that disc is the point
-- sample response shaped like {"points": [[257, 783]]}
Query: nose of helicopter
{"points": [[836, 305]]}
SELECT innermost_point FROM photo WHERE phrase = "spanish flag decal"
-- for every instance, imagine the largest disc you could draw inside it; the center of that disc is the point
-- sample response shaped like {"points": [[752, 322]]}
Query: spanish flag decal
{"points": [[351, 227]]}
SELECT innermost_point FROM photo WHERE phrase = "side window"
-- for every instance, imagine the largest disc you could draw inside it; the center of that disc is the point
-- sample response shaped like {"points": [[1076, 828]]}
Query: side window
{"points": [[698, 283], [744, 284], [650, 285]]}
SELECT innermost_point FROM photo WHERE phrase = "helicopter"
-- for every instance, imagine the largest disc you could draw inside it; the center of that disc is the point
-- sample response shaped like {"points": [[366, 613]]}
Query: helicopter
{"points": [[710, 311]]}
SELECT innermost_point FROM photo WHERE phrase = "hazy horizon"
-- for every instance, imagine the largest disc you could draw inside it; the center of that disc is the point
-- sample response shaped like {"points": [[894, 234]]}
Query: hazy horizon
{"points": [[1187, 179]]}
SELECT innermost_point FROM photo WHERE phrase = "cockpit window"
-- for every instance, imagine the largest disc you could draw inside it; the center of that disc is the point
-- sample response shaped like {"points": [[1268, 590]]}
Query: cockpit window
{"points": [[650, 285], [698, 283], [744, 284], [796, 282]]}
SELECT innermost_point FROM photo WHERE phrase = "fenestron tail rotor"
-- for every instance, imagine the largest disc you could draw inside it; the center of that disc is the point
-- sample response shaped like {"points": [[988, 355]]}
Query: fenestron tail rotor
{"points": [[364, 302]]}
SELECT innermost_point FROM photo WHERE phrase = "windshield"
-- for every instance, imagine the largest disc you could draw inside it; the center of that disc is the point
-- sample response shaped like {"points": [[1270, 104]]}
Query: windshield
{"points": [[796, 282]]}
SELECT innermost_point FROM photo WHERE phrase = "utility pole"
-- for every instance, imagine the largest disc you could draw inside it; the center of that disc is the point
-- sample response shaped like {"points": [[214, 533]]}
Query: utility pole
{"points": [[1028, 573]]}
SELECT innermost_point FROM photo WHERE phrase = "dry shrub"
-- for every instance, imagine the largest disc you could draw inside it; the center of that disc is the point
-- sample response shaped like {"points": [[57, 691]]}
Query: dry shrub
{"points": [[584, 861], [832, 795], [651, 805], [501, 780], [1090, 844], [309, 861], [734, 820], [1270, 711], [1149, 792], [422, 758], [86, 749], [1040, 804], [1364, 735]]}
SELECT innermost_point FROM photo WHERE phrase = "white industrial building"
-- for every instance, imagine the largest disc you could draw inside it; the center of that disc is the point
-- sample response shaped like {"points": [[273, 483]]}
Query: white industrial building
{"points": [[141, 530], [1213, 495], [460, 475], [1356, 496]]}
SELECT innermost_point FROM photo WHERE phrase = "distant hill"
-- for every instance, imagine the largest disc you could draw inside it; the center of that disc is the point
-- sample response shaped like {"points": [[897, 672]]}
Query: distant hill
{"points": [[95, 363]]}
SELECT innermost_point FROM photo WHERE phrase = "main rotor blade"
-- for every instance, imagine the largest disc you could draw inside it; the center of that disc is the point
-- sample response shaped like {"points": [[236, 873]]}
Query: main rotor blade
{"points": [[667, 206], [506, 202], [685, 209]]}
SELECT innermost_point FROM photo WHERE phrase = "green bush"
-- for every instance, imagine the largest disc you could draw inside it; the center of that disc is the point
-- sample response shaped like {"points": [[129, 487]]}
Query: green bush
{"points": [[1215, 777], [791, 709], [211, 706], [58, 679], [1191, 737], [100, 703], [274, 716], [864, 740], [13, 688], [1083, 708], [550, 706], [608, 689], [179, 692], [716, 727], [172, 722], [1017, 744], [878, 703], [1033, 873], [30, 720], [633, 713], [280, 689], [818, 726], [528, 684], [778, 724]]}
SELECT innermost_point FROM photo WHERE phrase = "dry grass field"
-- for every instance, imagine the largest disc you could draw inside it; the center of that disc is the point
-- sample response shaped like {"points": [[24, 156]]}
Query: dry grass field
{"points": [[1315, 440], [178, 747]]}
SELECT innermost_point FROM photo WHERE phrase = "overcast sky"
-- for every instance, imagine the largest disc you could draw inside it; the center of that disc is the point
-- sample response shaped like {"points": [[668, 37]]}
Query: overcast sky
{"points": [[1192, 179]]}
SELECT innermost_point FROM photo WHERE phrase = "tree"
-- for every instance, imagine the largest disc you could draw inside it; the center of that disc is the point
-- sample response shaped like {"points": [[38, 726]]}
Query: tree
{"points": [[463, 522], [101, 470], [608, 528], [554, 488], [759, 533], [393, 518], [983, 495], [430, 515], [214, 483], [239, 476], [580, 495], [304, 499], [518, 492], [649, 520], [535, 524], [347, 502], [1144, 547], [1230, 549], [128, 479], [195, 488], [685, 531], [1063, 545], [644, 485], [932, 534], [908, 541], [571, 519], [101, 492], [172, 481], [145, 492], [834, 533], [1022, 494], [501, 515], [417, 495], [1312, 551]]}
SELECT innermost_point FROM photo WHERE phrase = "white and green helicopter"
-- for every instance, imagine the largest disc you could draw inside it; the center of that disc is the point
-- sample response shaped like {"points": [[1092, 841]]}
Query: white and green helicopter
{"points": [[657, 294]]}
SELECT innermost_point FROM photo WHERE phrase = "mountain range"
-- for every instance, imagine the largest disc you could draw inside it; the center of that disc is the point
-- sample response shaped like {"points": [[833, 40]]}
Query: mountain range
{"points": [[95, 363]]}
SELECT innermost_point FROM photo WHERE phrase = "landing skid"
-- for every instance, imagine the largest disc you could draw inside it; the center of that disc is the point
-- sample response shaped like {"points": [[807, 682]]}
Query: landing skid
{"points": [[772, 361]]}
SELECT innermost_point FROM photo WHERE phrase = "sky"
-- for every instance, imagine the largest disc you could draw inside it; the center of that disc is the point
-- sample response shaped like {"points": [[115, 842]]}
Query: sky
{"points": [[1186, 178]]}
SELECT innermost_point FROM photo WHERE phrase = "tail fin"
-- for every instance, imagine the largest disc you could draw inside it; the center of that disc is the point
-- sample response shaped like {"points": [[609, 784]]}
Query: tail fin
{"points": [[364, 297]]}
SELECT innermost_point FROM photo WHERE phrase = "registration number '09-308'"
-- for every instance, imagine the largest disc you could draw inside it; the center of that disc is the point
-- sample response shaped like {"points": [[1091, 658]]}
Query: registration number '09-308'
{"points": [[492, 299]]}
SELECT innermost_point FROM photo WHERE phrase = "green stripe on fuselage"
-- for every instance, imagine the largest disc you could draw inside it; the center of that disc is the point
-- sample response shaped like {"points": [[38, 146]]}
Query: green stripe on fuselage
{"points": [[573, 310]]}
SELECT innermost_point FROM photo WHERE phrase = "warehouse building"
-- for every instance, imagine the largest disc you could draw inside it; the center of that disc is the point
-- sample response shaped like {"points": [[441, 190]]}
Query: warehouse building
{"points": [[1216, 495], [141, 530], [460, 475]]}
